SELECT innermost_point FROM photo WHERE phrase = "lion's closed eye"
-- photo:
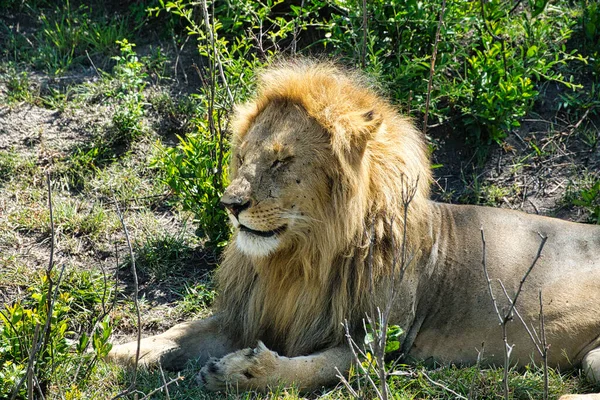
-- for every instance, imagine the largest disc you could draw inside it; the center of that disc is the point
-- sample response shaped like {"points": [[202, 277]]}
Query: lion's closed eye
{"points": [[279, 163]]}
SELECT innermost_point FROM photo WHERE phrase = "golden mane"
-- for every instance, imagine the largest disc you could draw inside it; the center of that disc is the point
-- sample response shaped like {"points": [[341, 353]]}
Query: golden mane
{"points": [[296, 299]]}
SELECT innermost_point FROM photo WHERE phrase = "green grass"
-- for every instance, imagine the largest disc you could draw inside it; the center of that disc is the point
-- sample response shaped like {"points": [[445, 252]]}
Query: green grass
{"points": [[163, 256]]}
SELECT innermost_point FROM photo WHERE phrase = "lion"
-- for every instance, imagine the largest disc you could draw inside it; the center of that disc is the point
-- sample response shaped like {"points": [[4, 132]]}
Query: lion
{"points": [[321, 168]]}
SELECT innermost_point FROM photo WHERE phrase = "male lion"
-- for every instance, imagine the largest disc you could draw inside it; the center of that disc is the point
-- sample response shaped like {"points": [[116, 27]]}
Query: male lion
{"points": [[320, 167]]}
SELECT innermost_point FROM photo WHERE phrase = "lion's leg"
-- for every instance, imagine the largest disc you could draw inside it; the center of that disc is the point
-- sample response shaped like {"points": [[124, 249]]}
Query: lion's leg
{"points": [[199, 339], [591, 365], [261, 368]]}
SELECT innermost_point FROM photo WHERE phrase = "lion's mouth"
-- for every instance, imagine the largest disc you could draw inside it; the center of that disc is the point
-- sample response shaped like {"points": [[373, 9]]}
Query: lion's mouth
{"points": [[272, 233]]}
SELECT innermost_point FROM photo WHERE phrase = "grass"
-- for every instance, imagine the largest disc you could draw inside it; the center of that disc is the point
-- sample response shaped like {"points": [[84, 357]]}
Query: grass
{"points": [[90, 95]]}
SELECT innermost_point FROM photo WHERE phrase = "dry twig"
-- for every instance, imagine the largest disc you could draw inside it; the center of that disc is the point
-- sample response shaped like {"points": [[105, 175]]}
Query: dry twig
{"points": [[164, 386], [135, 301], [37, 343], [432, 67], [505, 317]]}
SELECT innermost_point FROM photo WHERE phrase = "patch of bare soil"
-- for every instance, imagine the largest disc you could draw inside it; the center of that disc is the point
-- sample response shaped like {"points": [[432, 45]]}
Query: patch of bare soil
{"points": [[28, 129], [532, 171]]}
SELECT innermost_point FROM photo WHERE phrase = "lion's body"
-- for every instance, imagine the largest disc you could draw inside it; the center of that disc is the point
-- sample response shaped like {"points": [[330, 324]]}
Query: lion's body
{"points": [[329, 193], [459, 315]]}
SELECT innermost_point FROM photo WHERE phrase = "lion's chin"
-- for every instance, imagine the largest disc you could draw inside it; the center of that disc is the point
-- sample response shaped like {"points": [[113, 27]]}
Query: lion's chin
{"points": [[255, 245]]}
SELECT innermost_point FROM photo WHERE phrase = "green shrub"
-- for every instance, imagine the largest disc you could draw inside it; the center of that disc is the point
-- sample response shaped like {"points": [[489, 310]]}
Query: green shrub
{"points": [[57, 357], [589, 199], [131, 75], [195, 171], [487, 70]]}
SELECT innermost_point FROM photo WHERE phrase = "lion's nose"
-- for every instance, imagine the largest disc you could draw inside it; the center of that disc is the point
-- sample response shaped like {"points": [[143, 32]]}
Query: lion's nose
{"points": [[235, 204]]}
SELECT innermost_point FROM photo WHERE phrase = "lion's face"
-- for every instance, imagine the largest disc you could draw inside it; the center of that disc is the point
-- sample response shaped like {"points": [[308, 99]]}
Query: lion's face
{"points": [[279, 174]]}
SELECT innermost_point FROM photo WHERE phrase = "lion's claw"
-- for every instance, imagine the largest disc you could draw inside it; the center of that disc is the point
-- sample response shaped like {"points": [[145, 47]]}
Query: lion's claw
{"points": [[242, 370]]}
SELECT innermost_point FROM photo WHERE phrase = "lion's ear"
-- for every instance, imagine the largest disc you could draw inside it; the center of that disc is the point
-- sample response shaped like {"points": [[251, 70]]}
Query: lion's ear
{"points": [[368, 124], [353, 132]]}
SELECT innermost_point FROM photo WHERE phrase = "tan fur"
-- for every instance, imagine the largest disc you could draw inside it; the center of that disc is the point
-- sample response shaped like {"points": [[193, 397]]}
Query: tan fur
{"points": [[300, 300], [320, 170]]}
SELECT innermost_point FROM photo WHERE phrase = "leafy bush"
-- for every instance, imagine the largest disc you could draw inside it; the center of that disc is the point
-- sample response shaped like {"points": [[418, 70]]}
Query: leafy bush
{"points": [[195, 173], [23, 335], [589, 199], [131, 76], [489, 60], [590, 25]]}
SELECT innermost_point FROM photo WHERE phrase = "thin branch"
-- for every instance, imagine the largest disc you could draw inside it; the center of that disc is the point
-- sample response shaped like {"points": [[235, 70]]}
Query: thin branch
{"points": [[217, 59], [294, 43], [136, 303], [537, 257], [354, 348], [178, 51], [545, 347], [501, 39], [365, 28], [432, 66], [165, 383], [532, 335], [446, 388], [506, 317], [574, 128], [158, 389], [29, 373], [345, 382], [487, 277], [93, 65], [51, 297]]}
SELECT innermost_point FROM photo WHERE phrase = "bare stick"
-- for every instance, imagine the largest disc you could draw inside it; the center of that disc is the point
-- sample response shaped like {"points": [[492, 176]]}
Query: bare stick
{"points": [[37, 343], [535, 260], [365, 28], [506, 317], [294, 44], [446, 388], [177, 379], [217, 59], [29, 373], [135, 300], [574, 128], [346, 384], [93, 65], [354, 348], [532, 334], [178, 51], [507, 349], [487, 277], [376, 324], [432, 67], [545, 347], [165, 384], [478, 369]]}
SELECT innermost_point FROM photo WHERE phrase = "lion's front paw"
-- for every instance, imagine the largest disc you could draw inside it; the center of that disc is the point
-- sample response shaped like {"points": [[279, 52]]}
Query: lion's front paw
{"points": [[243, 370]]}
